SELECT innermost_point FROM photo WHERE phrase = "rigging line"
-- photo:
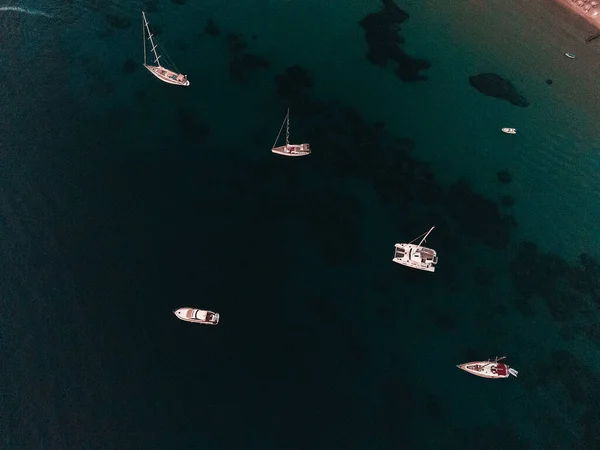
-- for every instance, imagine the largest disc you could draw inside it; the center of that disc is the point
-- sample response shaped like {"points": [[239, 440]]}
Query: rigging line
{"points": [[280, 130], [287, 131], [417, 237]]}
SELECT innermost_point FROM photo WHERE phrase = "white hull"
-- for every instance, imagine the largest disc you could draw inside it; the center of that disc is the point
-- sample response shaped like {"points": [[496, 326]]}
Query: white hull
{"points": [[415, 257], [292, 150], [487, 369], [197, 316], [167, 76], [509, 130]]}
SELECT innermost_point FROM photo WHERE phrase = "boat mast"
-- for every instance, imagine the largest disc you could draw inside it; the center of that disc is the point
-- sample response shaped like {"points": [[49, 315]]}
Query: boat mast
{"points": [[144, 34], [287, 131], [424, 237], [156, 55]]}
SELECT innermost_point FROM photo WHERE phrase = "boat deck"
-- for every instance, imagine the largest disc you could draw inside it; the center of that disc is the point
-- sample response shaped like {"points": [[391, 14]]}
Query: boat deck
{"points": [[167, 75]]}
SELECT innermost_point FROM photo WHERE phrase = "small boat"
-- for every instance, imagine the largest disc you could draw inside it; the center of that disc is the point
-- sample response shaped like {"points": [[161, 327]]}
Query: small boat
{"points": [[415, 256], [570, 55], [160, 72], [197, 316], [289, 149], [509, 130], [489, 368]]}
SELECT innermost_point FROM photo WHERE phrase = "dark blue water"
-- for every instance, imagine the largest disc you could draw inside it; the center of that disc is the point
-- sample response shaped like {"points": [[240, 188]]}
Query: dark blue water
{"points": [[123, 198]]}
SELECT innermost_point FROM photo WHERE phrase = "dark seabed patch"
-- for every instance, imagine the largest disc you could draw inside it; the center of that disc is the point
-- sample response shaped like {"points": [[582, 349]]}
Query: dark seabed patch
{"points": [[381, 33], [504, 176], [494, 85], [243, 62], [569, 292], [118, 22], [211, 28], [129, 66], [507, 200]]}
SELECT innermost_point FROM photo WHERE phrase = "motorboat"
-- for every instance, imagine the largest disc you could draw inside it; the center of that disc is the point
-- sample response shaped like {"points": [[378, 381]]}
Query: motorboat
{"points": [[509, 130], [416, 256], [197, 316], [570, 55], [489, 369]]}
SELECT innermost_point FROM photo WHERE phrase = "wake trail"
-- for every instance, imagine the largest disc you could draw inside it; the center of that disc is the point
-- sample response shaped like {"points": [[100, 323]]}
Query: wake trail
{"points": [[32, 12]]}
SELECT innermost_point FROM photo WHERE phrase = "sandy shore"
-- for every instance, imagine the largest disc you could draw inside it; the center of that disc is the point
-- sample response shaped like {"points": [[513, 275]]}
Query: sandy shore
{"points": [[588, 9]]}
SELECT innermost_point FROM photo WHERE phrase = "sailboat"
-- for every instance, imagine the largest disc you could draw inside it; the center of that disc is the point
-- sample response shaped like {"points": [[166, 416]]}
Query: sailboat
{"points": [[489, 368], [160, 72], [289, 149], [415, 256]]}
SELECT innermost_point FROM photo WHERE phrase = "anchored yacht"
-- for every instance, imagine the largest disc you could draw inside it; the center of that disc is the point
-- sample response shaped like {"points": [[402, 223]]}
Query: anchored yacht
{"points": [[415, 256], [197, 316], [489, 368]]}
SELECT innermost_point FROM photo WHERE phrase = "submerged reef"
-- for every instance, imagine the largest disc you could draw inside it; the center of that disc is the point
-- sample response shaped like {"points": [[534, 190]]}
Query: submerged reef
{"points": [[243, 62], [494, 85], [351, 146], [504, 176], [569, 292], [211, 28], [118, 22], [381, 34]]}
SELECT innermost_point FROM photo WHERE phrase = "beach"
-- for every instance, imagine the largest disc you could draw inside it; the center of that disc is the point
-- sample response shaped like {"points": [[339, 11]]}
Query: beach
{"points": [[588, 9]]}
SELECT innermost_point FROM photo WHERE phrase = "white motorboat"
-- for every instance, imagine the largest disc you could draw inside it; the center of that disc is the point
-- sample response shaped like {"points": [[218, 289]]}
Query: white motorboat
{"points": [[489, 369], [570, 55], [289, 149], [197, 316], [509, 130], [415, 256]]}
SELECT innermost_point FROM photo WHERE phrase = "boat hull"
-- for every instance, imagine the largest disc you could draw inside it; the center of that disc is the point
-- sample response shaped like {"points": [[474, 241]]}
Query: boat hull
{"points": [[509, 130], [415, 257], [195, 315], [486, 369], [292, 150], [167, 76]]}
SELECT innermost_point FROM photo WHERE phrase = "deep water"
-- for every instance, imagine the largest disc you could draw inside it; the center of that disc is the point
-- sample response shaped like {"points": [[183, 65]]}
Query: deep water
{"points": [[123, 198]]}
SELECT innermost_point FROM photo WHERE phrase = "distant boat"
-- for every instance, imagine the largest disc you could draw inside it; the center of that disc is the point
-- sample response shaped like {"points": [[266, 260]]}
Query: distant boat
{"points": [[289, 149], [197, 316], [160, 72], [489, 369], [415, 256], [570, 55], [509, 130]]}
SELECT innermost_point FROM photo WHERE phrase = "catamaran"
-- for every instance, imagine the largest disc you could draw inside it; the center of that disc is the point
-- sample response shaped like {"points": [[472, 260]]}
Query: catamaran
{"points": [[415, 256], [160, 72], [489, 368], [197, 316], [289, 149]]}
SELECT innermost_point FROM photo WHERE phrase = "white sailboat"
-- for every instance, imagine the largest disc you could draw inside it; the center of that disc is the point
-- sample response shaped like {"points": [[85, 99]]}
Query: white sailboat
{"points": [[489, 368], [415, 256], [289, 149], [160, 72]]}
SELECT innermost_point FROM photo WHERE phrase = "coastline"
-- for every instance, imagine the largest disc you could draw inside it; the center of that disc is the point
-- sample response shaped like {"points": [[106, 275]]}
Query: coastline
{"points": [[588, 10]]}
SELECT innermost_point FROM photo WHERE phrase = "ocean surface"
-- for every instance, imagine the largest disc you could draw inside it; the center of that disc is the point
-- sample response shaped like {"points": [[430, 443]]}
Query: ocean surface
{"points": [[123, 198]]}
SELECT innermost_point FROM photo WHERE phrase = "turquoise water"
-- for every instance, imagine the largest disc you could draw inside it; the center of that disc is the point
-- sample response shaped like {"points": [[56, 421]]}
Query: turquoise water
{"points": [[124, 198]]}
